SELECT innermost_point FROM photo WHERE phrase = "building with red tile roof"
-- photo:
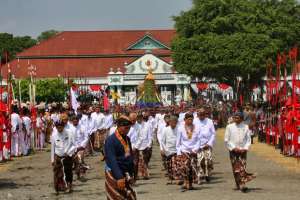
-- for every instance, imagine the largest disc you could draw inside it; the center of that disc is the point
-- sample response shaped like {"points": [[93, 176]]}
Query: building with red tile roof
{"points": [[108, 58]]}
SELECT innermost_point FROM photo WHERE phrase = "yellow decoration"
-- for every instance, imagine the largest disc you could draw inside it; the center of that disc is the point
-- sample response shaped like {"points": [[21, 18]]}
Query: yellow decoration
{"points": [[115, 95]]}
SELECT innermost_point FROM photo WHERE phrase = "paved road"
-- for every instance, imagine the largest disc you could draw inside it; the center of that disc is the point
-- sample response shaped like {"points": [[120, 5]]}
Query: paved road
{"points": [[31, 178]]}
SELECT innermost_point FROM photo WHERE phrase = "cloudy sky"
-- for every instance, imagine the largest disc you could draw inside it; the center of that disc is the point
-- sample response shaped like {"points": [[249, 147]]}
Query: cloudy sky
{"points": [[31, 17]]}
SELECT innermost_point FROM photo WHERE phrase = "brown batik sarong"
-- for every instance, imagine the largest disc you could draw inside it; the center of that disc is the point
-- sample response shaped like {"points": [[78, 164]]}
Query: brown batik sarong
{"points": [[204, 164], [58, 175], [238, 162], [143, 166], [80, 168], [112, 191], [164, 161], [171, 166], [187, 167]]}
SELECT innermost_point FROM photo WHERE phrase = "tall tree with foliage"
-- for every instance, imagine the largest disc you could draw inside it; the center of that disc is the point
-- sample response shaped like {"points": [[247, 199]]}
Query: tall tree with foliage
{"points": [[47, 35], [224, 39], [51, 90], [14, 45], [47, 90]]}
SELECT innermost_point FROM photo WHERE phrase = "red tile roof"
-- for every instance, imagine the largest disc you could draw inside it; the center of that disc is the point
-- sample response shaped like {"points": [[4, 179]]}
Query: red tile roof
{"points": [[86, 53], [96, 43]]}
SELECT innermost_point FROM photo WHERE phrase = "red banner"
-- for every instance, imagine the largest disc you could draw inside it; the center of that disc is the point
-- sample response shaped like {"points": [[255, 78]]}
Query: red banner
{"points": [[202, 86]]}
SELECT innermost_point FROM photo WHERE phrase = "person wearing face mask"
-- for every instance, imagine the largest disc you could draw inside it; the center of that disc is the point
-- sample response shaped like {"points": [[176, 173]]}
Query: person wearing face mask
{"points": [[63, 148], [119, 163], [238, 141], [205, 142]]}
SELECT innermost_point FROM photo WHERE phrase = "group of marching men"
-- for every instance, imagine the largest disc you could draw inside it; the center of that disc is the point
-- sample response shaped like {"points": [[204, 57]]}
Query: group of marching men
{"points": [[186, 140], [185, 137], [76, 135]]}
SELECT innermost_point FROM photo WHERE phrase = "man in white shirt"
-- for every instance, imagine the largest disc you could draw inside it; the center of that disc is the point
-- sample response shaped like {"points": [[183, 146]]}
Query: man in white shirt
{"points": [[187, 148], [90, 129], [143, 144], [99, 136], [238, 141], [206, 141], [162, 126], [133, 134], [81, 141], [168, 145], [63, 148], [28, 132], [16, 130]]}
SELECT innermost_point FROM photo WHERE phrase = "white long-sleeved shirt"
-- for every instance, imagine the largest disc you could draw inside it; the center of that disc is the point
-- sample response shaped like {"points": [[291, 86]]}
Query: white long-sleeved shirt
{"points": [[133, 134], [144, 136], [83, 120], [16, 122], [27, 123], [184, 144], [62, 143], [207, 132], [108, 121], [237, 136], [181, 118], [81, 135], [99, 120], [160, 129], [90, 126], [54, 117], [168, 140]]}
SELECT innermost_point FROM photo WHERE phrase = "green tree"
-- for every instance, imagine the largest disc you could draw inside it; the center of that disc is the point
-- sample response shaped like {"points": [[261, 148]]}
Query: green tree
{"points": [[14, 45], [47, 90], [24, 85], [51, 90], [224, 39], [46, 35]]}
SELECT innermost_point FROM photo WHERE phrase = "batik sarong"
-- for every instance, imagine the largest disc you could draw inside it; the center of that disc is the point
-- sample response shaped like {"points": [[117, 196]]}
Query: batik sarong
{"points": [[164, 161], [79, 164], [204, 164], [100, 137], [171, 166], [112, 191], [238, 162], [143, 166], [187, 166], [59, 175]]}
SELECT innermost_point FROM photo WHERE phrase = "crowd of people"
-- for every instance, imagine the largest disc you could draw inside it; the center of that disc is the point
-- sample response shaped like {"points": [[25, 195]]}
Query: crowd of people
{"points": [[125, 138], [186, 139]]}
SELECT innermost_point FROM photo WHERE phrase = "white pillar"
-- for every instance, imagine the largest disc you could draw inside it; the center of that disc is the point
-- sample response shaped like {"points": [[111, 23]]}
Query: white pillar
{"points": [[185, 93], [178, 96]]}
